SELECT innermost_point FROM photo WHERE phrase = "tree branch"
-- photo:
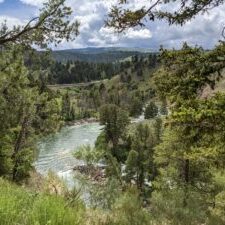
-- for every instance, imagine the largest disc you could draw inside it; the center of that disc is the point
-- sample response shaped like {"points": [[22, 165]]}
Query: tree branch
{"points": [[48, 26]]}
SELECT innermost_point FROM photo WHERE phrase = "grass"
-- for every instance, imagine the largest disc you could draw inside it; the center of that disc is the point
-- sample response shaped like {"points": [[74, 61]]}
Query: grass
{"points": [[19, 206]]}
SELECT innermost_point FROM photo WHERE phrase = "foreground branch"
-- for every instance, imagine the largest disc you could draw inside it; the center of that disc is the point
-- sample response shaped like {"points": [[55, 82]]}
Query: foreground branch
{"points": [[52, 25]]}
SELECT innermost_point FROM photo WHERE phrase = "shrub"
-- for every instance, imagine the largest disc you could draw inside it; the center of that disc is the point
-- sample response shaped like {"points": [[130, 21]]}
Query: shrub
{"points": [[20, 206]]}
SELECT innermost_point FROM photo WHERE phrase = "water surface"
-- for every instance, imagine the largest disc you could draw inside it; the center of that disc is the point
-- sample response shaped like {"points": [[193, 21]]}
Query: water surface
{"points": [[55, 151]]}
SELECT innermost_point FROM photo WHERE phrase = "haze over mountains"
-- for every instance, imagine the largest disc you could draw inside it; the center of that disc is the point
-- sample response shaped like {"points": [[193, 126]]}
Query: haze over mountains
{"points": [[104, 54]]}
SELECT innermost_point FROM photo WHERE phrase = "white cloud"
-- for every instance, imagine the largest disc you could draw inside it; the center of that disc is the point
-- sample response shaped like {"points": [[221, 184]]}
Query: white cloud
{"points": [[138, 34], [204, 30], [109, 36], [37, 3], [10, 21], [92, 14]]}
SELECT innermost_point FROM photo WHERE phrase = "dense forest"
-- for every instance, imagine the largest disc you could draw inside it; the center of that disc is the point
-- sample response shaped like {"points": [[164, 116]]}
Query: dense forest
{"points": [[96, 55], [168, 168], [68, 72], [78, 71]]}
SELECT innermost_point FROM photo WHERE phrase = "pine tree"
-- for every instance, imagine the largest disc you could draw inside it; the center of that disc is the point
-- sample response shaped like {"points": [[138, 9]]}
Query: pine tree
{"points": [[139, 164], [115, 121], [189, 158], [27, 110], [151, 111], [66, 107]]}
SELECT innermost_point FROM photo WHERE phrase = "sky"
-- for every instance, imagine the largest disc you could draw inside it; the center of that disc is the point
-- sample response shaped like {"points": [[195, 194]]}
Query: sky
{"points": [[204, 30]]}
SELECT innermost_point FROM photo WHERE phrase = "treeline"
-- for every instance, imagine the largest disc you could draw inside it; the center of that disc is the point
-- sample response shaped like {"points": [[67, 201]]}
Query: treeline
{"points": [[97, 55], [79, 71]]}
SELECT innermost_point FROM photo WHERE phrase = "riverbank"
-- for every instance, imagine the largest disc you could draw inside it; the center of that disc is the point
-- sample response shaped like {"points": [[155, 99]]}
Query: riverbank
{"points": [[94, 174], [96, 120], [82, 121]]}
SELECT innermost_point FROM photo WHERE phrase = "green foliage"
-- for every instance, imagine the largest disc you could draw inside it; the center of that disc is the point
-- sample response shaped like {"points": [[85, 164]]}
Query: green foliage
{"points": [[183, 165], [27, 111], [88, 154], [184, 73], [151, 111], [68, 110], [163, 109], [115, 121], [126, 90], [131, 164], [190, 157], [139, 163], [20, 206], [136, 107], [52, 25], [78, 72], [78, 69], [28, 108], [128, 210], [104, 196], [169, 207], [122, 16], [218, 211], [97, 55]]}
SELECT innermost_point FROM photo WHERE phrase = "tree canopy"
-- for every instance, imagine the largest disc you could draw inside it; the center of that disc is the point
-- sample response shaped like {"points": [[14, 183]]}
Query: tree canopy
{"points": [[123, 15], [51, 26]]}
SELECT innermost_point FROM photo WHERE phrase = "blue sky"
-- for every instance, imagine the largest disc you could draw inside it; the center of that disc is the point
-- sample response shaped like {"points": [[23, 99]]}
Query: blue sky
{"points": [[203, 30], [15, 8]]}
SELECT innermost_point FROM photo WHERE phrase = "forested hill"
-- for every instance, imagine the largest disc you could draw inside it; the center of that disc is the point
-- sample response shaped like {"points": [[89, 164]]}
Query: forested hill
{"points": [[97, 55], [70, 72]]}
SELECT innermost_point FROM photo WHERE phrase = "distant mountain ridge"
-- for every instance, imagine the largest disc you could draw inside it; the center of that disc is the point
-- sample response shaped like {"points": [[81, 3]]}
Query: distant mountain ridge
{"points": [[103, 54], [90, 50]]}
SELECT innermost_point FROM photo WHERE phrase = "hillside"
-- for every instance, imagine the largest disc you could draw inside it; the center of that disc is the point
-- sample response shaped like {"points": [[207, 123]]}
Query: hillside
{"points": [[23, 206], [19, 205], [130, 89], [97, 54]]}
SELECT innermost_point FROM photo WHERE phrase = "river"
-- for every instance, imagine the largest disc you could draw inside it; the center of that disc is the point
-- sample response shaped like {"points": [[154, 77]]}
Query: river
{"points": [[55, 151]]}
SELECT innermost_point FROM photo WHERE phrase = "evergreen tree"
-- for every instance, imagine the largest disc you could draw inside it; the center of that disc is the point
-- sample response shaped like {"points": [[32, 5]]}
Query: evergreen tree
{"points": [[139, 164], [52, 25], [163, 109], [136, 107], [115, 121], [66, 107], [151, 111], [25, 113], [122, 16], [189, 158]]}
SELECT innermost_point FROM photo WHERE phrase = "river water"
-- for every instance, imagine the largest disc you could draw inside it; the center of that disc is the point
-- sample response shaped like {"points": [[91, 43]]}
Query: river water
{"points": [[55, 151]]}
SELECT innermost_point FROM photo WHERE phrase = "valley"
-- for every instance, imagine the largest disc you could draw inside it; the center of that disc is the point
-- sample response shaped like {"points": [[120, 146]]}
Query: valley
{"points": [[92, 134]]}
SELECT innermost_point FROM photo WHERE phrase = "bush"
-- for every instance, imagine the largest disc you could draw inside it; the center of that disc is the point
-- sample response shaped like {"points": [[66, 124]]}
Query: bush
{"points": [[20, 206], [126, 210], [88, 154]]}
